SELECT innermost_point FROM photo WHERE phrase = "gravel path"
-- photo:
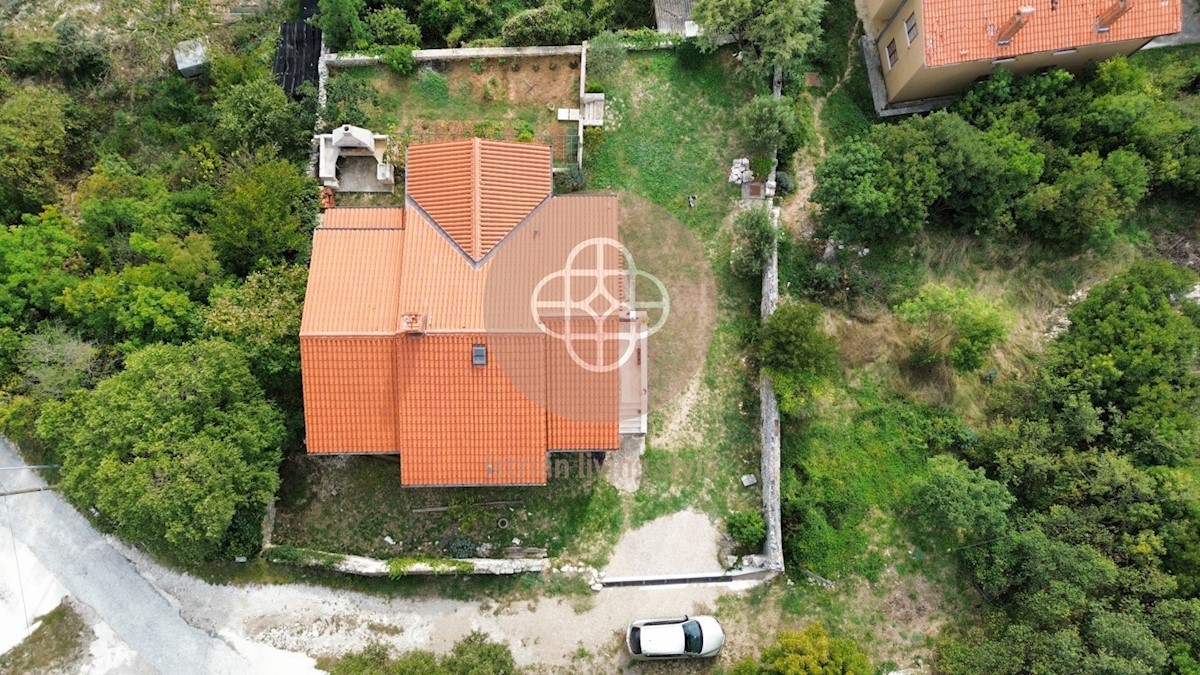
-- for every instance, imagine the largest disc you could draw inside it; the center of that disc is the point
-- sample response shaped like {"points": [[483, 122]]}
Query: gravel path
{"points": [[96, 575], [178, 624], [681, 543]]}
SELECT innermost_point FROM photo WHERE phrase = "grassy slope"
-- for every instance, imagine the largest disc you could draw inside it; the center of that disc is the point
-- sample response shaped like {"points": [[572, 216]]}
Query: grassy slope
{"points": [[56, 646], [669, 136]]}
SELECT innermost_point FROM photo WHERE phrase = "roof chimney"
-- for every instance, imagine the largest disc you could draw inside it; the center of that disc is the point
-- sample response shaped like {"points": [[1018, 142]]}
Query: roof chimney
{"points": [[1015, 24], [1105, 21]]}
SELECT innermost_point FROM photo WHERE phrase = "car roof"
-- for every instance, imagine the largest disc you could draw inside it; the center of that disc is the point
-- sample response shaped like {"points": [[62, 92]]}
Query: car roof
{"points": [[660, 640]]}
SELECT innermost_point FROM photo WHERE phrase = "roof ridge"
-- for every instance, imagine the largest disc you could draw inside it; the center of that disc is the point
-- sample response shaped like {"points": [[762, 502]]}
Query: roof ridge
{"points": [[476, 215]]}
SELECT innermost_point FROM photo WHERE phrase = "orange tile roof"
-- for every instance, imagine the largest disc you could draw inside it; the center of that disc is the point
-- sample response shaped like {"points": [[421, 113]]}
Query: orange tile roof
{"points": [[363, 218], [957, 31], [461, 424], [349, 395], [371, 387], [353, 281], [477, 190]]}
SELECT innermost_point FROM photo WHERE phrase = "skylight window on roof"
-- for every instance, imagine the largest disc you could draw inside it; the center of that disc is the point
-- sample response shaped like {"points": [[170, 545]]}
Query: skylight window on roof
{"points": [[479, 355]]}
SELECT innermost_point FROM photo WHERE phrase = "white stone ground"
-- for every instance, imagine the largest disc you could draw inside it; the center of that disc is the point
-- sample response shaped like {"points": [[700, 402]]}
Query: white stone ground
{"points": [[27, 589]]}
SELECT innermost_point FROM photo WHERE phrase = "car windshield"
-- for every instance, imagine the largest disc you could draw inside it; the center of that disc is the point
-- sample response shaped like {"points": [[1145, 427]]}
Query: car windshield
{"points": [[693, 643]]}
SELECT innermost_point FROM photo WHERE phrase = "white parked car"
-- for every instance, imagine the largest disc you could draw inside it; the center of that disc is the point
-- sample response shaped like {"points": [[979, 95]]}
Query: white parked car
{"points": [[678, 638]]}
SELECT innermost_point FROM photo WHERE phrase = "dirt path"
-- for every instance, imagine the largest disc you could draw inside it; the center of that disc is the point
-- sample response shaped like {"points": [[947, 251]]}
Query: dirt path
{"points": [[796, 213]]}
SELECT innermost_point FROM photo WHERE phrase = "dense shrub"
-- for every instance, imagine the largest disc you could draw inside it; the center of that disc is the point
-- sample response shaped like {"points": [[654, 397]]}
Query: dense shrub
{"points": [[797, 353], [258, 115], [548, 24], [390, 26], [399, 59], [606, 54], [754, 238], [568, 181], [748, 529], [767, 123], [808, 652], [345, 98]]}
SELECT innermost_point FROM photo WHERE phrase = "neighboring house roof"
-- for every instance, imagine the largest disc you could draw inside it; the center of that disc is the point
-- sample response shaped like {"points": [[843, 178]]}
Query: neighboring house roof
{"points": [[956, 31], [372, 385], [672, 16]]}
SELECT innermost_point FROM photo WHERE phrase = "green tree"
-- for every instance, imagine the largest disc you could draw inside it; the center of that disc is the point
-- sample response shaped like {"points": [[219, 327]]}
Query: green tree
{"points": [[1132, 354], [1088, 200], [454, 21], [156, 301], [55, 364], [258, 115], [262, 318], [971, 509], [606, 53], [958, 327], [772, 33], [547, 24], [390, 26], [32, 133], [341, 23], [796, 352], [808, 652], [769, 123], [266, 216], [754, 239], [168, 450], [39, 259], [857, 202]]}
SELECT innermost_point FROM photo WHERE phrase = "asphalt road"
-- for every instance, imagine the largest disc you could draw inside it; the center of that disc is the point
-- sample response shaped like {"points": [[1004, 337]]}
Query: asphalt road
{"points": [[97, 575]]}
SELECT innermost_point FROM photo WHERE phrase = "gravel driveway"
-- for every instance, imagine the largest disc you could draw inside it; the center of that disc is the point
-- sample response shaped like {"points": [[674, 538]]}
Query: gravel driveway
{"points": [[176, 623]]}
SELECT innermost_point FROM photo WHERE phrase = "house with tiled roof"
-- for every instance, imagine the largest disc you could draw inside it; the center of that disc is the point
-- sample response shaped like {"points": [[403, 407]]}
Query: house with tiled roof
{"points": [[932, 48], [481, 326]]}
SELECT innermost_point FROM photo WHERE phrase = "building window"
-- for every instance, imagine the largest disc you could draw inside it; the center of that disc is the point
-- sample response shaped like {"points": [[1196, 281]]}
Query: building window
{"points": [[479, 355], [1009, 59], [892, 54], [1064, 52], [910, 27]]}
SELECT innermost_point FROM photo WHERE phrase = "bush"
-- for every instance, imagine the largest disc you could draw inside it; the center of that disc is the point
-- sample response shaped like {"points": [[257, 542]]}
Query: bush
{"points": [[399, 59], [606, 53], [568, 181], [754, 238], [592, 138], [390, 26], [768, 123], [784, 185], [748, 529], [796, 352], [344, 99], [461, 548], [959, 328], [546, 25]]}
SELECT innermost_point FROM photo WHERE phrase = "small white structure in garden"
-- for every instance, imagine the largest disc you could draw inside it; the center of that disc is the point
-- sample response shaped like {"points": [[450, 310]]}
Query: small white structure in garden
{"points": [[352, 159], [191, 56]]}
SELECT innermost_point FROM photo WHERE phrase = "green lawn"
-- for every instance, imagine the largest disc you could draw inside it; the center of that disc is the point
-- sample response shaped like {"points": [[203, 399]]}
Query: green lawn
{"points": [[670, 133], [56, 646]]}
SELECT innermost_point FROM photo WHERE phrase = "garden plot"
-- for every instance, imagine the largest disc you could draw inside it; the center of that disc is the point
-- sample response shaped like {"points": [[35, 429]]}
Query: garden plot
{"points": [[501, 98]]}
